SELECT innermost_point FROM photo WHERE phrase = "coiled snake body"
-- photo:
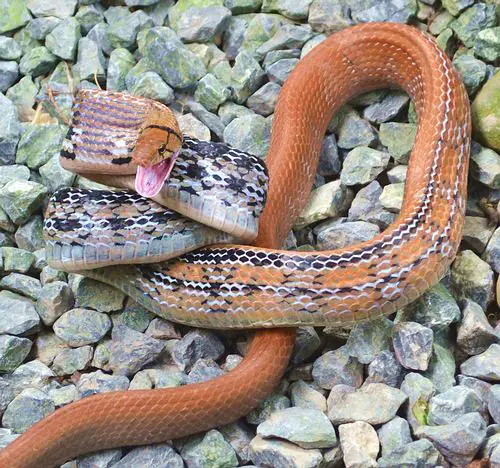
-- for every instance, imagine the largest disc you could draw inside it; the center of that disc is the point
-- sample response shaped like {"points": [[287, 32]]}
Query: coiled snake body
{"points": [[234, 286]]}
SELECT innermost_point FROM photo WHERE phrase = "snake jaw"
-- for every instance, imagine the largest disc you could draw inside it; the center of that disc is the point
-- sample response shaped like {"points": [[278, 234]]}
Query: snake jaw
{"points": [[149, 180]]}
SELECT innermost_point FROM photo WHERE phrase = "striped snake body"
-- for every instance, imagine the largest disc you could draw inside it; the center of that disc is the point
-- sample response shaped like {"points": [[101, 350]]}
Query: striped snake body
{"points": [[236, 286]]}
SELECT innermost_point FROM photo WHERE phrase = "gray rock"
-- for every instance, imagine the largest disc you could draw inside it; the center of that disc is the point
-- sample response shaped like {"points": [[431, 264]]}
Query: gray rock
{"points": [[13, 351], [14, 15], [131, 350], [211, 93], [471, 70], [264, 100], [308, 46], [362, 165], [10, 131], [171, 59], [399, 139], [236, 30], [384, 10], [296, 10], [152, 86], [59, 8], [190, 125], [203, 450], [154, 455], [204, 370], [54, 176], [290, 36], [367, 340], [492, 253], [435, 309], [485, 365], [9, 72], [249, 133], [17, 260], [453, 403], [79, 327], [63, 39], [38, 61], [70, 360], [14, 172], [88, 16], [308, 428], [239, 436], [197, 344], [96, 295], [98, 34], [494, 403], [40, 143], [124, 31], [397, 174], [337, 367], [458, 441], [476, 233], [99, 382], [413, 345], [276, 401], [485, 167], [6, 437], [22, 284], [29, 236], [440, 22], [17, 314], [388, 108], [48, 345], [354, 131], [394, 435], [481, 387], [29, 407], [307, 342], [230, 111], [304, 395], [456, 6], [346, 404], [338, 234], [100, 459], [418, 453], [487, 44], [239, 7], [90, 62], [385, 368], [208, 118], [49, 274], [359, 444], [329, 161], [40, 28], [327, 16], [419, 390], [472, 278], [442, 366], [248, 76], [474, 333], [476, 18], [366, 206], [120, 63], [202, 24], [327, 201], [138, 318], [281, 454], [275, 55]]}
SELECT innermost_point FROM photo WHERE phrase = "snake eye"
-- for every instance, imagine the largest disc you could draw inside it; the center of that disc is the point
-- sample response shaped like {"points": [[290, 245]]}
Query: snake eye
{"points": [[162, 148]]}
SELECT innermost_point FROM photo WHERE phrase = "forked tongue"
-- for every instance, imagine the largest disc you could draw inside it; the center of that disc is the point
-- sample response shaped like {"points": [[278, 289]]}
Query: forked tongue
{"points": [[149, 180]]}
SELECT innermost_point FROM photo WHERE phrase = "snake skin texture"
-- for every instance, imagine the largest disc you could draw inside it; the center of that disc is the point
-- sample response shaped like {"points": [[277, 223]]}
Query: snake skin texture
{"points": [[240, 286]]}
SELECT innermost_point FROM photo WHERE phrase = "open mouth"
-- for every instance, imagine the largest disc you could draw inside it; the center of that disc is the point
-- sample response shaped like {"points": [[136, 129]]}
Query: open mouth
{"points": [[149, 180]]}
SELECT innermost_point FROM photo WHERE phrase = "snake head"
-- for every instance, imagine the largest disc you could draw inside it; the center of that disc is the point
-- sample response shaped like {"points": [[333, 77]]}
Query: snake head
{"points": [[157, 147]]}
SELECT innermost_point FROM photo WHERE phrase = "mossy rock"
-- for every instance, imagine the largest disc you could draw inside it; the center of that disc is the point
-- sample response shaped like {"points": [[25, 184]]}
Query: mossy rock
{"points": [[486, 114]]}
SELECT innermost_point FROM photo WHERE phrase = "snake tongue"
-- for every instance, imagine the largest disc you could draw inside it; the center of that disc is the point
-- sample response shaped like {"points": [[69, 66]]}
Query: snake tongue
{"points": [[149, 180]]}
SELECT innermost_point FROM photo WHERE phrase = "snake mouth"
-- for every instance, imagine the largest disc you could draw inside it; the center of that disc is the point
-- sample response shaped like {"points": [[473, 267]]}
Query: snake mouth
{"points": [[149, 180]]}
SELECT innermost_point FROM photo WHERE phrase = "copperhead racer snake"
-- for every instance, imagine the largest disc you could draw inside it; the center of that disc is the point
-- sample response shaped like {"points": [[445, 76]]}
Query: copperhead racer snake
{"points": [[261, 287]]}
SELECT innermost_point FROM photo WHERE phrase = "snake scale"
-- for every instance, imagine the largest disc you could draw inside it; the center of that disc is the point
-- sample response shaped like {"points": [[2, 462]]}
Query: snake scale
{"points": [[236, 286]]}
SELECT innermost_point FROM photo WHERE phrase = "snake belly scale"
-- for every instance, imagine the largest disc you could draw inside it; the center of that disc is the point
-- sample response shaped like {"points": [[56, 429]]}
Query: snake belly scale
{"points": [[233, 286]]}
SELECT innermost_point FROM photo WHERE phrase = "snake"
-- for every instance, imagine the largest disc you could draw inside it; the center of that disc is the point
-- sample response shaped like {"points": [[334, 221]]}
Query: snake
{"points": [[259, 286]]}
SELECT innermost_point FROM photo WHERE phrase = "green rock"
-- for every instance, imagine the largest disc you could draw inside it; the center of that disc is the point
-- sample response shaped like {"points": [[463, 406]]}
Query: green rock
{"points": [[9, 72], [223, 72], [202, 24], [211, 93], [473, 20], [9, 49], [17, 314], [171, 59], [98, 34], [230, 111], [29, 236], [88, 16], [25, 41], [123, 33], [136, 72], [59, 8], [80, 327], [487, 44], [293, 9], [209, 451], [39, 28], [440, 22], [136, 316], [20, 199], [14, 172], [151, 85], [445, 40], [14, 15], [10, 131], [182, 6], [456, 6], [134, 3], [399, 139], [248, 76], [5, 223], [68, 361], [17, 260], [39, 143], [63, 40], [38, 61], [441, 370], [95, 295], [249, 133], [471, 70], [261, 28], [22, 284], [120, 63], [362, 165], [486, 114], [90, 62], [239, 7], [116, 13], [54, 176], [354, 131], [13, 351], [392, 197], [23, 95], [485, 167]]}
